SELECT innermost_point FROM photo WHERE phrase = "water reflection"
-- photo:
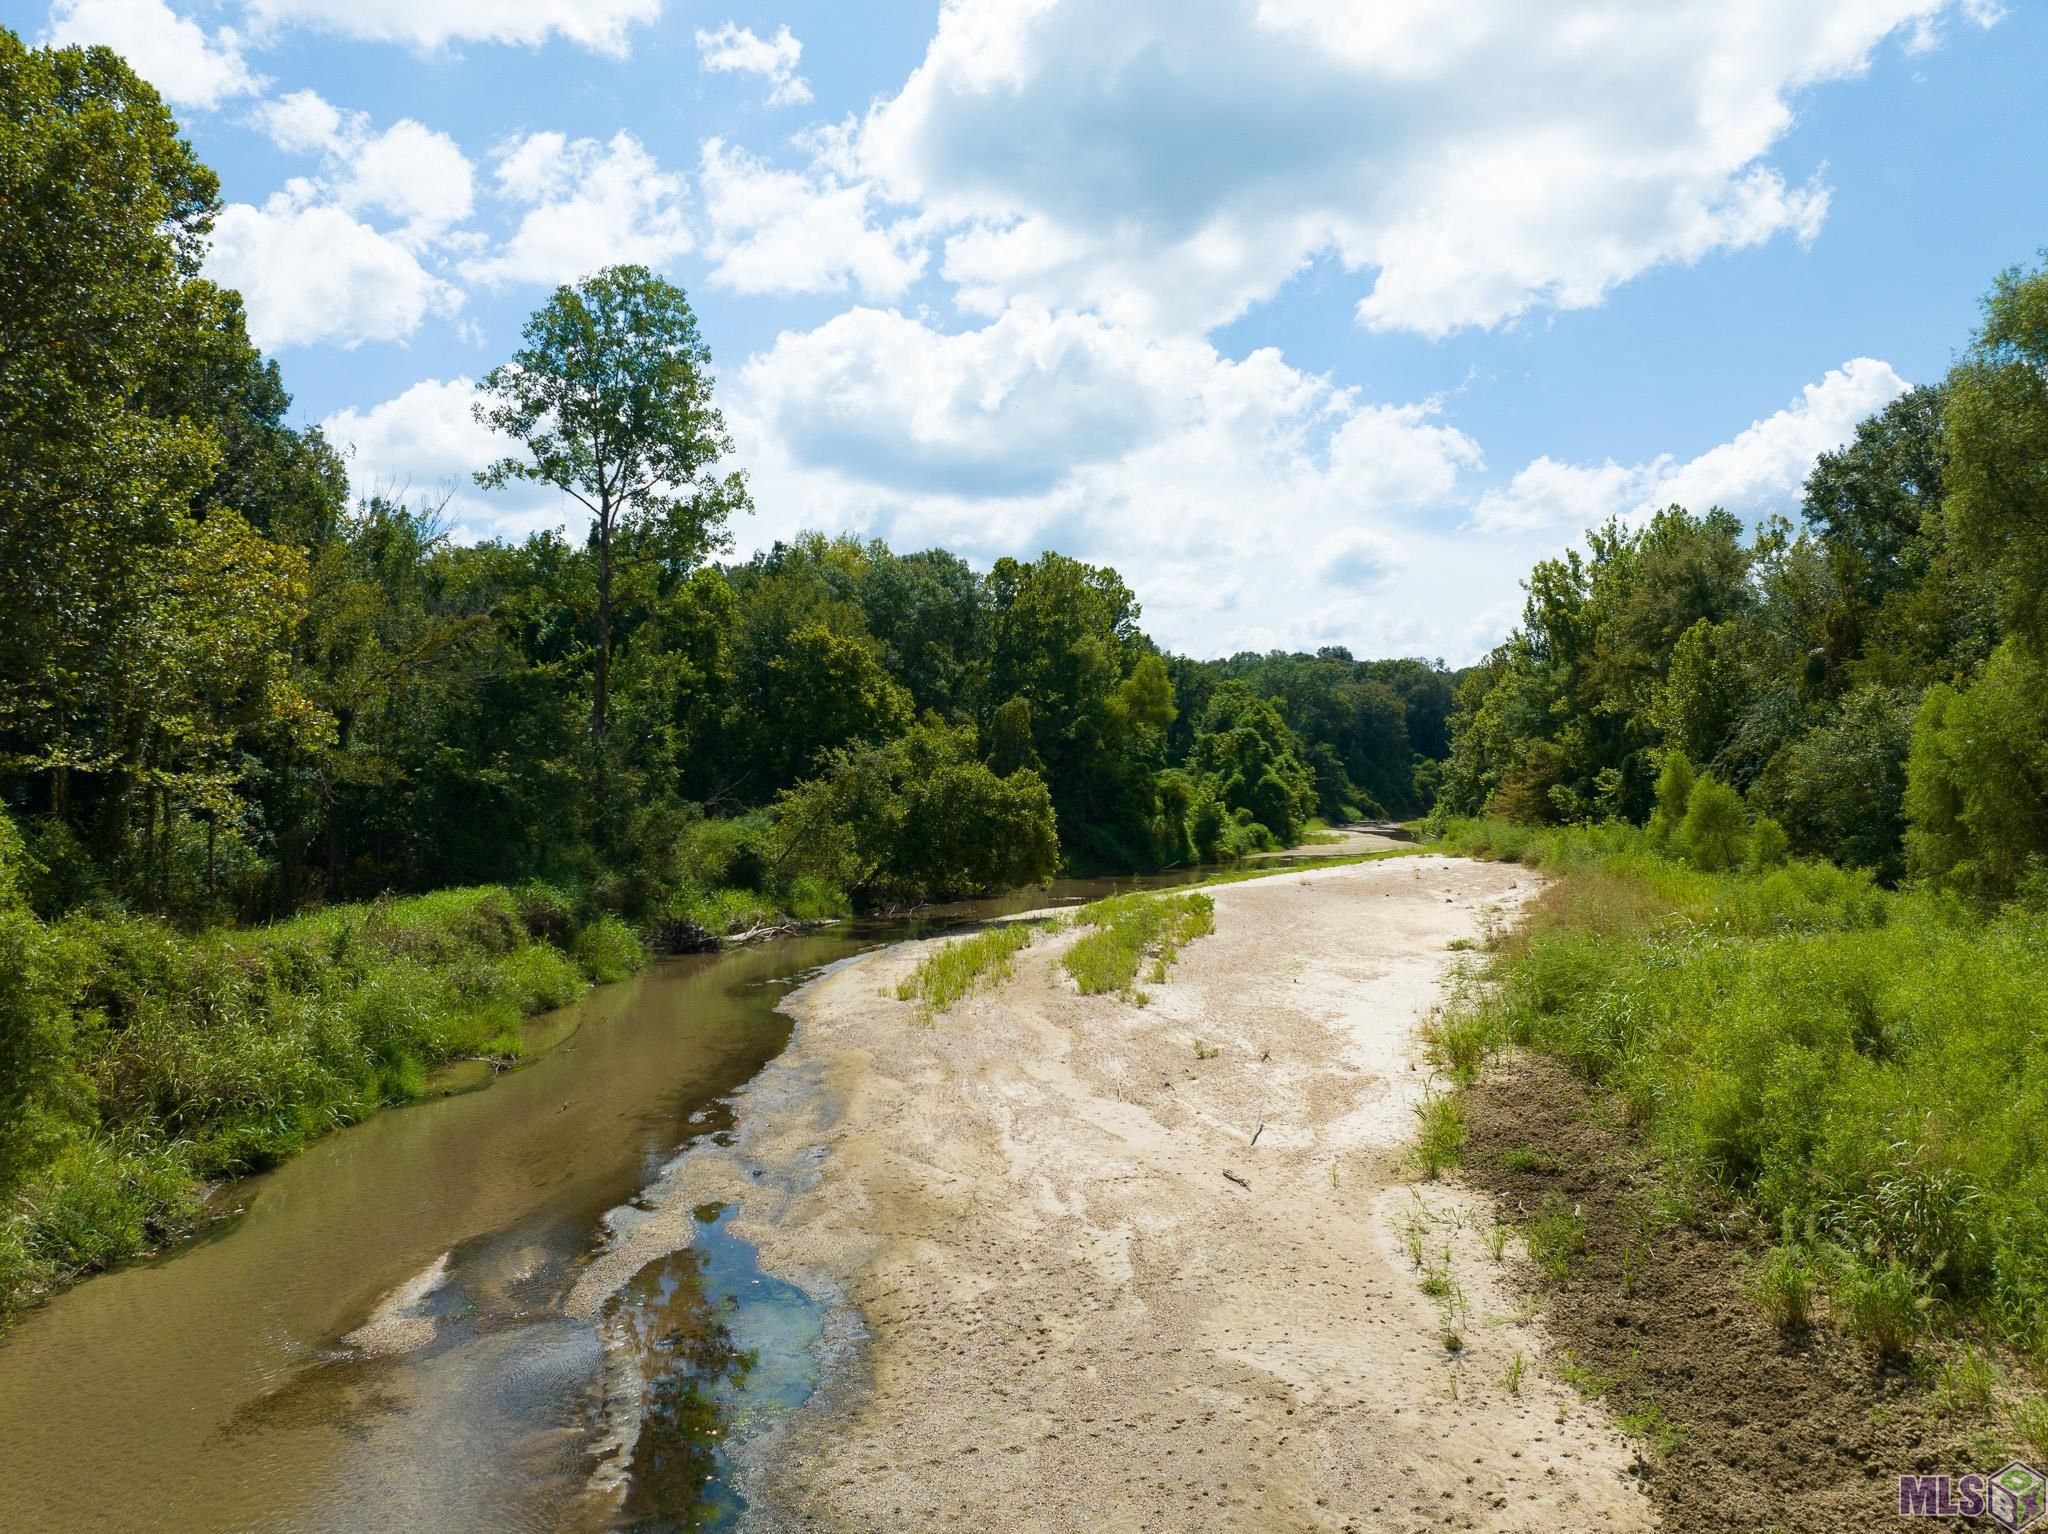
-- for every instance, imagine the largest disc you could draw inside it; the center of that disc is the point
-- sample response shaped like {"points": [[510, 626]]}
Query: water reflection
{"points": [[720, 1347]]}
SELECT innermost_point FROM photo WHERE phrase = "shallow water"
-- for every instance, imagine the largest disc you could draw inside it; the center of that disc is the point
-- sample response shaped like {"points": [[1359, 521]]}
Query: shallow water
{"points": [[211, 1388]]}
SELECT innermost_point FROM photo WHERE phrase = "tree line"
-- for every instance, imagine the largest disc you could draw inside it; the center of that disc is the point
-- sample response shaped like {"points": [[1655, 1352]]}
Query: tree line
{"points": [[1868, 685], [230, 691]]}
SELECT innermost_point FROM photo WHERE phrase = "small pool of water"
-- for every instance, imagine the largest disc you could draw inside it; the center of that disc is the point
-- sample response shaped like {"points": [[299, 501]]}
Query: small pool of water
{"points": [[721, 1349]]}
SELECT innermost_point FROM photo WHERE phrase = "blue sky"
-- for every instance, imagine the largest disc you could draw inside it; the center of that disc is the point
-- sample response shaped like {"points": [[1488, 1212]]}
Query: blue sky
{"points": [[1320, 321]]}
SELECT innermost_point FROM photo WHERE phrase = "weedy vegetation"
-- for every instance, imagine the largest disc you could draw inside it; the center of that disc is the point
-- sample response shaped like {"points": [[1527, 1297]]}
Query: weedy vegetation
{"points": [[1128, 930], [966, 964]]}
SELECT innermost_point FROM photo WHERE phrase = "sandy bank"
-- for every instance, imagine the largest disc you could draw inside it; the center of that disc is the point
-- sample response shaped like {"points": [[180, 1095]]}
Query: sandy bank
{"points": [[1075, 1321]]}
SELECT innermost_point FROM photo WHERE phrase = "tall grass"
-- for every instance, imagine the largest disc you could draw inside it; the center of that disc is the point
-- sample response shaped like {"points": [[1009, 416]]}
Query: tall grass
{"points": [[163, 1060], [950, 971], [1867, 1070], [1128, 929]]}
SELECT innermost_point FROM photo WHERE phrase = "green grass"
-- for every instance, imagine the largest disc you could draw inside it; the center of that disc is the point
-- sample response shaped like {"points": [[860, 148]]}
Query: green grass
{"points": [[1129, 929], [161, 1061], [952, 970], [1441, 1143], [1865, 1070]]}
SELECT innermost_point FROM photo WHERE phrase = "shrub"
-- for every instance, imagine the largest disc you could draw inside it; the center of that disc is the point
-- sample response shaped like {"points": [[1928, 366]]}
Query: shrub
{"points": [[608, 950], [1674, 797], [1712, 833]]}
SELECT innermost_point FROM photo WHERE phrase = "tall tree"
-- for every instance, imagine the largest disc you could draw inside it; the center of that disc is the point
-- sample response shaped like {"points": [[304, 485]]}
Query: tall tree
{"points": [[610, 396]]}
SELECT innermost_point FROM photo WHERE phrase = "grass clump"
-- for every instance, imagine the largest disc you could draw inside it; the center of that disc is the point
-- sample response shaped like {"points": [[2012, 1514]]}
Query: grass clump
{"points": [[1555, 1235], [952, 970], [1786, 1284], [1128, 929], [1441, 1143], [1866, 1067]]}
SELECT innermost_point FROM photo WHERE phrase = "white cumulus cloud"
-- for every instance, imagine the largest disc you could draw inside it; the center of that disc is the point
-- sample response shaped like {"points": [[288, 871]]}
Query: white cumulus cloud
{"points": [[1762, 469], [736, 50], [1168, 163], [408, 171], [1251, 503], [310, 271], [602, 25], [191, 67], [783, 231], [588, 205]]}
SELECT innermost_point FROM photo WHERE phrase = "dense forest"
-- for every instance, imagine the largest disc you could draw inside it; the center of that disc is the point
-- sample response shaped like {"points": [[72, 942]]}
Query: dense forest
{"points": [[1870, 687]]}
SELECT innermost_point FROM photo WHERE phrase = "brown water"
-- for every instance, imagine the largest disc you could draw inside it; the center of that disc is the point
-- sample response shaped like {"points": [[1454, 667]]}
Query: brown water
{"points": [[211, 1390]]}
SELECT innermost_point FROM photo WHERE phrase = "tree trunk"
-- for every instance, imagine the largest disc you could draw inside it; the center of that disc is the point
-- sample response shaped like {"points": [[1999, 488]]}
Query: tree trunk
{"points": [[604, 653]]}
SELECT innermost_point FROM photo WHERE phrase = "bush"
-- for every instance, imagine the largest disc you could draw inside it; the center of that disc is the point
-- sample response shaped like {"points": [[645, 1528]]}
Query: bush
{"points": [[608, 950], [1674, 798], [1712, 833], [1977, 779]]}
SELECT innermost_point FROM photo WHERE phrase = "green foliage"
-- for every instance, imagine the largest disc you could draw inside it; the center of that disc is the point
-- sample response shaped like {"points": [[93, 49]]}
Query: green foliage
{"points": [[1441, 1143], [1786, 1284], [1250, 764], [1882, 1303], [920, 818], [1129, 929], [1863, 1066], [1839, 788], [1977, 779], [1995, 431], [1714, 829], [965, 964], [136, 1062], [1675, 781]]}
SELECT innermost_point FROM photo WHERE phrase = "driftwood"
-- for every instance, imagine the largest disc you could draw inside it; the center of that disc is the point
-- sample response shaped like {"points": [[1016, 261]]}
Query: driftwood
{"points": [[1259, 1131], [1237, 1179]]}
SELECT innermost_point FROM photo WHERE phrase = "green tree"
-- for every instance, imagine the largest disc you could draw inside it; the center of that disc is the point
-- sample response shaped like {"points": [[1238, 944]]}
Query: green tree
{"points": [[1675, 783], [1995, 428], [609, 395], [920, 817], [1839, 788], [1977, 779], [1713, 833], [1250, 762]]}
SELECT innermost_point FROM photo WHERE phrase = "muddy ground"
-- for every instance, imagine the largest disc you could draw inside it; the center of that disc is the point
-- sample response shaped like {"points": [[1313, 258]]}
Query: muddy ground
{"points": [[1758, 1430]]}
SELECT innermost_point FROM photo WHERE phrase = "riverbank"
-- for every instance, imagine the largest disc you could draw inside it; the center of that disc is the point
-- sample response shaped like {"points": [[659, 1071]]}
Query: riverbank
{"points": [[156, 1063], [1074, 1318]]}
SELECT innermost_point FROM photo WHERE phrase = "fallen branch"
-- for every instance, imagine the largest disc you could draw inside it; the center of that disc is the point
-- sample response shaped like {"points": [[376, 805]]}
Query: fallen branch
{"points": [[1237, 1179], [1259, 1131]]}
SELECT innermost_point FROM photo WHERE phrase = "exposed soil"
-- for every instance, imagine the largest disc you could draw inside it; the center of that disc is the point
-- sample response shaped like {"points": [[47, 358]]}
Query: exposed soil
{"points": [[1805, 1433]]}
